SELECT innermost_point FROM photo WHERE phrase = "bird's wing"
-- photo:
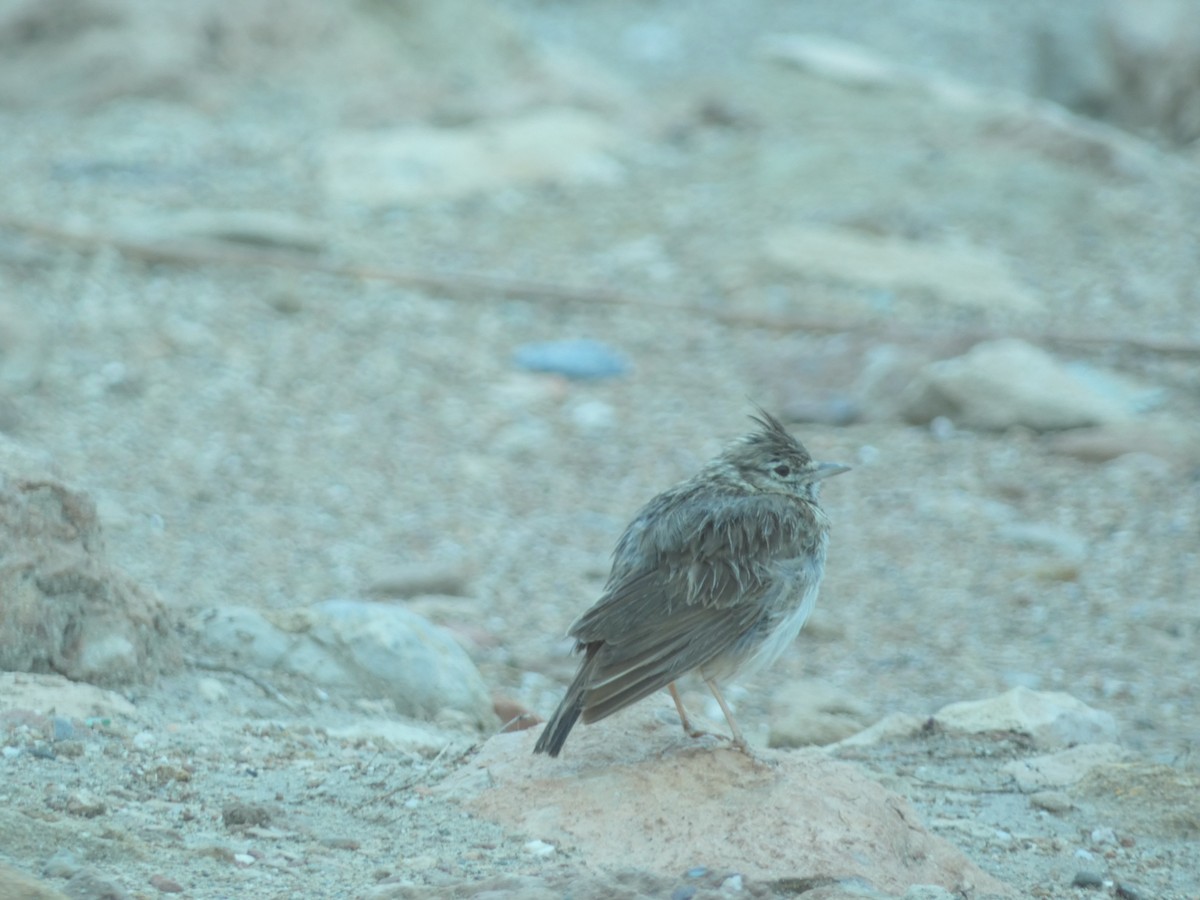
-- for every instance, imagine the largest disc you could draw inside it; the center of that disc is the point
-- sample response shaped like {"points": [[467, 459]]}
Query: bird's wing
{"points": [[624, 672], [671, 560]]}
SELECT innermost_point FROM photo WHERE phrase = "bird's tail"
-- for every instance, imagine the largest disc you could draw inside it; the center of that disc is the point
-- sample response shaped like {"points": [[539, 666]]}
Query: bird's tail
{"points": [[554, 735]]}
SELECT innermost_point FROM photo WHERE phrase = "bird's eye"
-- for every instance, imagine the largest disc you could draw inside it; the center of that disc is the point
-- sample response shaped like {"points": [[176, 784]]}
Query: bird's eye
{"points": [[783, 471]]}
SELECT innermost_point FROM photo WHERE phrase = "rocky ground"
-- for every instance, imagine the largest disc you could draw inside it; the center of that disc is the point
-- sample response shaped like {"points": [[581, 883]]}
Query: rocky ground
{"points": [[277, 287]]}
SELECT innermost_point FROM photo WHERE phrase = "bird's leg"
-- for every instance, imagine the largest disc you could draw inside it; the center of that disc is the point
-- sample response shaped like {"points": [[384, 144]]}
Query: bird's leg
{"points": [[738, 740], [691, 730]]}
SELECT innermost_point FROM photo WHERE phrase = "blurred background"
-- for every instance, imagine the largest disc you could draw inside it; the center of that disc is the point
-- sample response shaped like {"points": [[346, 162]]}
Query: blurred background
{"points": [[423, 300]]}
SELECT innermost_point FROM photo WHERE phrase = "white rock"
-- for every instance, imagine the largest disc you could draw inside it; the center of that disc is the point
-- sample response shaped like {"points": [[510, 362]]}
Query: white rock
{"points": [[954, 274], [1006, 383], [1052, 719], [422, 163], [211, 690], [54, 693]]}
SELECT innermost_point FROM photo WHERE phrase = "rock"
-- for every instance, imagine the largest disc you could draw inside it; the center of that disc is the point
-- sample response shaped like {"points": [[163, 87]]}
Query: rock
{"points": [[419, 579], [1051, 801], [16, 885], [1136, 65], [357, 649], [43, 693], [682, 800], [165, 885], [1085, 879], [893, 725], [955, 275], [1174, 442], [582, 360], [266, 228], [244, 635], [1062, 542], [1063, 768], [1051, 719], [808, 712], [65, 608], [88, 884], [419, 163], [1006, 383], [840, 62]]}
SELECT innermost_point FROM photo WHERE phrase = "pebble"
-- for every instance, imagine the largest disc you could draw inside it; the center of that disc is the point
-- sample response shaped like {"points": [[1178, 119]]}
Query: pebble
{"points": [[1051, 801], [165, 885], [733, 884], [63, 864], [540, 848], [1084, 878], [211, 690], [86, 884], [421, 579], [581, 360]]}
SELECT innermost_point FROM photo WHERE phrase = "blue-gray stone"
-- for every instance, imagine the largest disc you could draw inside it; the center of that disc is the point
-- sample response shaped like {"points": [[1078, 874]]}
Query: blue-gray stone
{"points": [[583, 359]]}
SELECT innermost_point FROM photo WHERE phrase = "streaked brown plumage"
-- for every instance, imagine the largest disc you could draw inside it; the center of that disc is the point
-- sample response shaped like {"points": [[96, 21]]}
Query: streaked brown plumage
{"points": [[715, 575]]}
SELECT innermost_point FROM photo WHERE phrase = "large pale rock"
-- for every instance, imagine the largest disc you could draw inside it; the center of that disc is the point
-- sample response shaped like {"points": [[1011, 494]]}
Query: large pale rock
{"points": [[64, 609], [634, 792], [1005, 383], [46, 694], [954, 274], [358, 649], [419, 163], [1051, 718]]}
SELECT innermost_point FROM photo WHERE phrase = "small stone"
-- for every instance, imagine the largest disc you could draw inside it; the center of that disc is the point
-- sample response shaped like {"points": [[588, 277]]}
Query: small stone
{"points": [[684, 892], [1087, 879], [1127, 891], [733, 884], [927, 892], [1104, 836], [165, 885], [341, 843], [540, 848], [212, 690], [237, 815], [581, 360], [63, 864], [86, 884], [1051, 801], [420, 579], [85, 804]]}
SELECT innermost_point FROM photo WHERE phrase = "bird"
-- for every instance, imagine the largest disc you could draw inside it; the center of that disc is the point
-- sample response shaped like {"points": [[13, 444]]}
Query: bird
{"points": [[715, 575]]}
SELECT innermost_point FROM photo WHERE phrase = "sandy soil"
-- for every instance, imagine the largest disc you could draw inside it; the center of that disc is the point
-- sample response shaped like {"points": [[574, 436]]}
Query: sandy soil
{"points": [[262, 434]]}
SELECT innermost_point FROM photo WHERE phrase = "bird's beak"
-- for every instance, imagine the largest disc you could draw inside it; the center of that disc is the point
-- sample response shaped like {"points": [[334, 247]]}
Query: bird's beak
{"points": [[828, 470]]}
